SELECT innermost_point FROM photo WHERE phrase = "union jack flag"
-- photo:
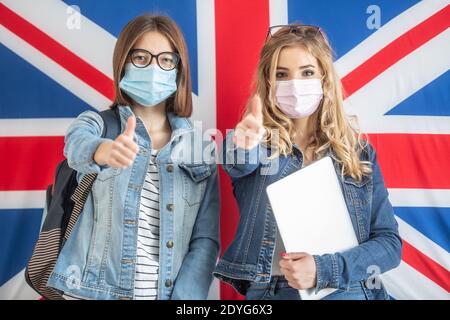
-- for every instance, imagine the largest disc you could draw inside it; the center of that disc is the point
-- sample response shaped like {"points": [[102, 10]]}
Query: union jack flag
{"points": [[392, 56]]}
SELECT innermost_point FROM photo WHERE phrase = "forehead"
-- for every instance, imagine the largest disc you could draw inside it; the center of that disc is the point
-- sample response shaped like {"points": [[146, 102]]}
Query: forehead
{"points": [[153, 41], [295, 56]]}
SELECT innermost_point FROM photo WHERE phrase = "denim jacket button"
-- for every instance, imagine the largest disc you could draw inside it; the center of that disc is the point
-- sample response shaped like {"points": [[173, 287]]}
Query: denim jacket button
{"points": [[169, 244], [169, 206], [168, 283], [169, 168]]}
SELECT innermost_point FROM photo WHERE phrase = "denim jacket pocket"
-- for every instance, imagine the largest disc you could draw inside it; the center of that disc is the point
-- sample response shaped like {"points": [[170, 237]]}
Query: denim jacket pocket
{"points": [[350, 180], [361, 191], [194, 181]]}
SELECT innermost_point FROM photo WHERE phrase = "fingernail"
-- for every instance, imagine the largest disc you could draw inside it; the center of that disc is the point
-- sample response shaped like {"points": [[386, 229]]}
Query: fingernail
{"points": [[284, 254]]}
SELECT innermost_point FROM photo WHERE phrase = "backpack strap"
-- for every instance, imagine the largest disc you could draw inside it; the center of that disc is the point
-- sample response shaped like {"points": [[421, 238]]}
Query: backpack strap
{"points": [[111, 123], [79, 198]]}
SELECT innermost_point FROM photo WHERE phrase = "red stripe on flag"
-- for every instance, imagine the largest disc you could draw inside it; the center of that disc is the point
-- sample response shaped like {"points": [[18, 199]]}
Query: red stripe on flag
{"points": [[57, 52], [403, 166], [425, 265], [241, 27], [29, 163], [396, 50]]}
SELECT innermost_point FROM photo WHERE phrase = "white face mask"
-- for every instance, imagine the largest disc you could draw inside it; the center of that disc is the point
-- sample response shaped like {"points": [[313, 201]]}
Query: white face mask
{"points": [[299, 98]]}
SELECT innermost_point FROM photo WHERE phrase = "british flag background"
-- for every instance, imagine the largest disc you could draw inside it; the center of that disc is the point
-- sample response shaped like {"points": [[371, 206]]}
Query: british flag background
{"points": [[392, 56]]}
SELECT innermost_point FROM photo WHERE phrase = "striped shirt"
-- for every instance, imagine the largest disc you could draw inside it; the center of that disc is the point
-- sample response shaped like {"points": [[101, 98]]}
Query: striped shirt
{"points": [[147, 260]]}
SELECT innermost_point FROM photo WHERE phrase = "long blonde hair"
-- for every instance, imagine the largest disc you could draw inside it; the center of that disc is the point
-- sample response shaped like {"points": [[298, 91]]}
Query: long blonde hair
{"points": [[333, 128]]}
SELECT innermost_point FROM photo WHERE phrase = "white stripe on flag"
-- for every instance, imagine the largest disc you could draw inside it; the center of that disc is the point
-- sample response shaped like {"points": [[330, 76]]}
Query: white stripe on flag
{"points": [[16, 288], [34, 127], [278, 11], [406, 283], [399, 82], [53, 70], [419, 197], [387, 33], [423, 244], [54, 23], [204, 104], [22, 199]]}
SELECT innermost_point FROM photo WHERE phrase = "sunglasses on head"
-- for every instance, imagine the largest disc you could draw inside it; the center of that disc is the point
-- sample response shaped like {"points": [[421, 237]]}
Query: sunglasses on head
{"points": [[301, 30]]}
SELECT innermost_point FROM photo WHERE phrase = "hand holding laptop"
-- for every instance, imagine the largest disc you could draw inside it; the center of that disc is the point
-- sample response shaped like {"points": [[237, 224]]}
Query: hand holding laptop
{"points": [[299, 269], [312, 215]]}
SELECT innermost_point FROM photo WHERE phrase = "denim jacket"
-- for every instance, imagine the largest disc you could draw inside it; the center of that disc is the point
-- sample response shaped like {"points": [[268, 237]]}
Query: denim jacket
{"points": [[249, 256], [98, 260]]}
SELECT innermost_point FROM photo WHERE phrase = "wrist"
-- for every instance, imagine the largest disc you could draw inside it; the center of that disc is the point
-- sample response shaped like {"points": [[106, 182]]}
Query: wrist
{"points": [[99, 157]]}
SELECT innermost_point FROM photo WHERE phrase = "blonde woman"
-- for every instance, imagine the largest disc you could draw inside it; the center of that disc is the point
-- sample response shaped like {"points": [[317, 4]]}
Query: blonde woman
{"points": [[295, 117]]}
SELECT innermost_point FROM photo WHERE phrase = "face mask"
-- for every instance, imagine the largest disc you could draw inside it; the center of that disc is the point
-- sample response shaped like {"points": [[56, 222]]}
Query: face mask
{"points": [[299, 98], [150, 85]]}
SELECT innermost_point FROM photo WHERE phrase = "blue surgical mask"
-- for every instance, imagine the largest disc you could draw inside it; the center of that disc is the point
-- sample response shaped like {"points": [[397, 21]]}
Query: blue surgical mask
{"points": [[150, 85]]}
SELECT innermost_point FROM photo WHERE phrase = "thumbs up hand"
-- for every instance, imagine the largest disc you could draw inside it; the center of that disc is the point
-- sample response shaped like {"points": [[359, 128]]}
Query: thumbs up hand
{"points": [[121, 152], [131, 126], [250, 131]]}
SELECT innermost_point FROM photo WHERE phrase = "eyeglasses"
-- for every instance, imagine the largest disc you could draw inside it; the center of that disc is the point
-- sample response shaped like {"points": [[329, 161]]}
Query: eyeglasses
{"points": [[301, 30], [141, 58]]}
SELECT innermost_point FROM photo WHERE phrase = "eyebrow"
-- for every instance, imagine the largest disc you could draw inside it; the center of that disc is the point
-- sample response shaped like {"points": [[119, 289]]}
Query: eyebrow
{"points": [[142, 49], [301, 67]]}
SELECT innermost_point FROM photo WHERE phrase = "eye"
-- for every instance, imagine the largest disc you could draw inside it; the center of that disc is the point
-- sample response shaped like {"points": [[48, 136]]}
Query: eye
{"points": [[140, 58], [167, 60], [308, 73], [281, 75]]}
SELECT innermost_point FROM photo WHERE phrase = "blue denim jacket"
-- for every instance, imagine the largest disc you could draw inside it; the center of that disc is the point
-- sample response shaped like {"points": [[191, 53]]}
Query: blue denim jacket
{"points": [[249, 256], [98, 260]]}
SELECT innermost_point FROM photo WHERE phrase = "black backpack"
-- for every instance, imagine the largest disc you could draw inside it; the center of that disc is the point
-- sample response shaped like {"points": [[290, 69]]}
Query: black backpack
{"points": [[65, 200]]}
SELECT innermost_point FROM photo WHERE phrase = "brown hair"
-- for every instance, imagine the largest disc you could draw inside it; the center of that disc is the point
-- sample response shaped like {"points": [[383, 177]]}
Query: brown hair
{"points": [[333, 128], [181, 102]]}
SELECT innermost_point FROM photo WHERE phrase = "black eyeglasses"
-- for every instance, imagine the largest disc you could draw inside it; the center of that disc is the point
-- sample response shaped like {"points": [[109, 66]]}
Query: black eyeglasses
{"points": [[301, 30], [142, 58]]}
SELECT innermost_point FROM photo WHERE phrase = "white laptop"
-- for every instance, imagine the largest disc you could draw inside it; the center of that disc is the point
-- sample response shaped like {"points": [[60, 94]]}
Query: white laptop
{"points": [[311, 214]]}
